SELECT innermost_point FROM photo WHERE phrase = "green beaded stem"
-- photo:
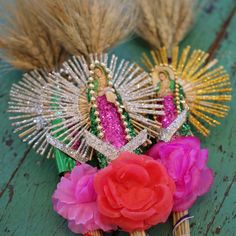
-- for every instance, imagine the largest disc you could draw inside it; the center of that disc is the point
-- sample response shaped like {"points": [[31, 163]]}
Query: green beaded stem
{"points": [[131, 132], [94, 130]]}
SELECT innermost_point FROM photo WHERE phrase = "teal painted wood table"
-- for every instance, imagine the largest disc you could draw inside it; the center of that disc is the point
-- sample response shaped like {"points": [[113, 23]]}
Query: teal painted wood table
{"points": [[27, 180]]}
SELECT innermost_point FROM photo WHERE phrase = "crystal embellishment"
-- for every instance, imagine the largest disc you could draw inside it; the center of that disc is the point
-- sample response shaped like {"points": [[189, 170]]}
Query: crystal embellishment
{"points": [[110, 151], [167, 133]]}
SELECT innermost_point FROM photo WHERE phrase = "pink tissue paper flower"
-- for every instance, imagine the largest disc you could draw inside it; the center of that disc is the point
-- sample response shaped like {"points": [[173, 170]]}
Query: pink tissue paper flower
{"points": [[76, 200], [186, 164]]}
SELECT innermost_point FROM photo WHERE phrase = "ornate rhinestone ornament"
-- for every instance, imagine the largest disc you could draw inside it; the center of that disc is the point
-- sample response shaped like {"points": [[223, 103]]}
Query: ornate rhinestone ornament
{"points": [[31, 118], [91, 96], [167, 133], [196, 82], [109, 151]]}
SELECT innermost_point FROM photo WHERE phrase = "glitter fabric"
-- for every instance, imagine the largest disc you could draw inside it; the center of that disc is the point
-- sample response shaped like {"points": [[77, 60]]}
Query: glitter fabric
{"points": [[167, 133], [169, 110], [111, 152], [114, 131]]}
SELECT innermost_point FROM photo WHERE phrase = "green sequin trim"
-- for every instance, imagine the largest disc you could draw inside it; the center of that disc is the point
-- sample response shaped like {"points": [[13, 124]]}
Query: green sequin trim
{"points": [[94, 129], [132, 132], [172, 85], [185, 129]]}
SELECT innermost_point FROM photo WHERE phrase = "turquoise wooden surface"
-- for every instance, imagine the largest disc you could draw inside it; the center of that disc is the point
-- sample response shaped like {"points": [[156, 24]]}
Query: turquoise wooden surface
{"points": [[27, 180]]}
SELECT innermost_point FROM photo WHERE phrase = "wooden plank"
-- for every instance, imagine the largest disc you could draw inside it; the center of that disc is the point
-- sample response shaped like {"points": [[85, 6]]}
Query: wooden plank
{"points": [[25, 206], [13, 151], [26, 209], [221, 219]]}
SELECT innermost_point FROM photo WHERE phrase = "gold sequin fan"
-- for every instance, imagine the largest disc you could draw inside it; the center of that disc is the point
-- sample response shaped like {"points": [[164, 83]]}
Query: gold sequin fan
{"points": [[206, 87]]}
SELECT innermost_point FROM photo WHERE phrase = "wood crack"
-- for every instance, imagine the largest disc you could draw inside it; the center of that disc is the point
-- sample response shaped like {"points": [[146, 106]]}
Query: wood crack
{"points": [[221, 204], [220, 35], [15, 171], [212, 50]]}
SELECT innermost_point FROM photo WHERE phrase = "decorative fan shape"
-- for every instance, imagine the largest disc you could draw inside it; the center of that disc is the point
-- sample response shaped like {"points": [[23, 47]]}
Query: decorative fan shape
{"points": [[31, 118], [75, 106], [206, 87], [58, 108]]}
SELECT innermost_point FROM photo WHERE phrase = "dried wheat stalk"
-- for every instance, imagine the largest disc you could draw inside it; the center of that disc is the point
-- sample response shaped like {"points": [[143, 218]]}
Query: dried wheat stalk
{"points": [[138, 233], [164, 22], [89, 26], [94, 233], [24, 41], [184, 228]]}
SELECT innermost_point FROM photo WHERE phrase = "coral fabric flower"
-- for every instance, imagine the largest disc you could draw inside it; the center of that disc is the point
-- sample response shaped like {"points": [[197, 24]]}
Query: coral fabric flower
{"points": [[186, 163], [134, 192], [75, 200]]}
